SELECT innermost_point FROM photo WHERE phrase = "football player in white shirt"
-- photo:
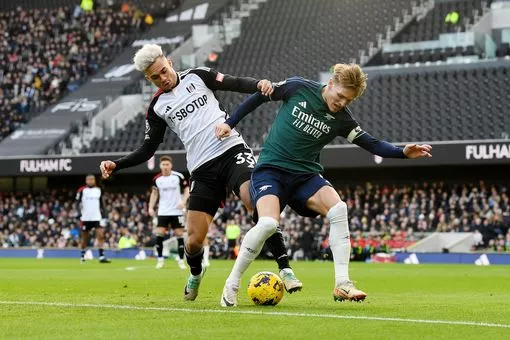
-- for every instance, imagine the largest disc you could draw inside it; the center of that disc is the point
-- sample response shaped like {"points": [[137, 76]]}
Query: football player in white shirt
{"points": [[90, 204], [167, 188], [186, 103]]}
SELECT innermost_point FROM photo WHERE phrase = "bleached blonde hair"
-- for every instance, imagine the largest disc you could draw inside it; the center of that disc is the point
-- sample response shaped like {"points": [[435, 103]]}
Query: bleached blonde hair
{"points": [[350, 76], [146, 56]]}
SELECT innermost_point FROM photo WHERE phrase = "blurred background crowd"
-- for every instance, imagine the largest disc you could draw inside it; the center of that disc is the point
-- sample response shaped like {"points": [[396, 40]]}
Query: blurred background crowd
{"points": [[382, 217], [46, 53]]}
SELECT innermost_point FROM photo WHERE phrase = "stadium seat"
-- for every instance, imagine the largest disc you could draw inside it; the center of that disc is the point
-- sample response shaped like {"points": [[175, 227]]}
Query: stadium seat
{"points": [[433, 24], [38, 68]]}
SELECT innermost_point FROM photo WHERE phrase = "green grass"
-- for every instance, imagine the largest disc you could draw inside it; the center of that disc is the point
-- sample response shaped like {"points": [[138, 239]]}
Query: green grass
{"points": [[426, 292]]}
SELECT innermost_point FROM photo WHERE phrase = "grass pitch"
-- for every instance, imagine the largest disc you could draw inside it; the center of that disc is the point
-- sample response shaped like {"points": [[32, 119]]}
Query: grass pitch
{"points": [[62, 299]]}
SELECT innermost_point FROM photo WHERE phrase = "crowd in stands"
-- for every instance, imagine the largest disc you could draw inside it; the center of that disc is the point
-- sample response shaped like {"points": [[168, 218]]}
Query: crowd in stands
{"points": [[46, 53], [381, 217]]}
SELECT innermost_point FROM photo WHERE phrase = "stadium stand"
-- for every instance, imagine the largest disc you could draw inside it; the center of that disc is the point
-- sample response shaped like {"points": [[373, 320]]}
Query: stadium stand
{"points": [[259, 52], [381, 217], [434, 23], [431, 55], [39, 66], [431, 26], [129, 139], [432, 104], [437, 103], [155, 7], [302, 26]]}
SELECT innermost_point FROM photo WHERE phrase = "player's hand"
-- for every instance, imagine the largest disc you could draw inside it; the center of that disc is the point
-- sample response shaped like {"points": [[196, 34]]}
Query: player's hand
{"points": [[180, 206], [152, 212], [107, 168], [222, 130], [417, 151], [265, 86]]}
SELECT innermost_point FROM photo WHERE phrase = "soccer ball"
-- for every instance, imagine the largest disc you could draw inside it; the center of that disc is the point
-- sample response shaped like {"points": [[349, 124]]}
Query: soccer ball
{"points": [[265, 288]]}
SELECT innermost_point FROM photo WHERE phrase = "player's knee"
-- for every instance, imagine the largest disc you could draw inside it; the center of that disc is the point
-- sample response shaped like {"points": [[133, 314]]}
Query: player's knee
{"points": [[267, 225], [244, 195], [193, 244], [338, 213], [160, 232]]}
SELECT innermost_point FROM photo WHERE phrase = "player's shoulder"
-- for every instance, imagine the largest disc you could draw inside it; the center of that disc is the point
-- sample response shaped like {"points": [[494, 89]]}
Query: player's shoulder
{"points": [[201, 72], [156, 94], [296, 83], [347, 113], [207, 75], [156, 177], [154, 99], [83, 187], [178, 174]]}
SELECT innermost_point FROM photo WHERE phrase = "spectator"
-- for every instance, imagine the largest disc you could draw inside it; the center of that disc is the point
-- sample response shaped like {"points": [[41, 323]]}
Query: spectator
{"points": [[381, 217], [127, 241], [232, 231], [47, 52]]}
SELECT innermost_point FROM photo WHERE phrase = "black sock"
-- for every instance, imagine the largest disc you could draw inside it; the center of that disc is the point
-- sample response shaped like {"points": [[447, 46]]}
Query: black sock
{"points": [[159, 246], [101, 252], [83, 251], [180, 246], [277, 248], [195, 261]]}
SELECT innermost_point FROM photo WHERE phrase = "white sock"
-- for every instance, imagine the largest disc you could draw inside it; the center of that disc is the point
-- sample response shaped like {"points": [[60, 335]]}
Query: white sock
{"points": [[339, 241], [161, 259], [251, 246], [206, 254]]}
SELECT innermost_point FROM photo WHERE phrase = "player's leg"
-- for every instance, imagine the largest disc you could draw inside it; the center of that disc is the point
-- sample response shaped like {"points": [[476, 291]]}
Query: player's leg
{"points": [[204, 200], [198, 225], [327, 202], [231, 244], [269, 209], [100, 241], [266, 189], [241, 174], [161, 232], [276, 245], [179, 235], [205, 260], [275, 242], [85, 233]]}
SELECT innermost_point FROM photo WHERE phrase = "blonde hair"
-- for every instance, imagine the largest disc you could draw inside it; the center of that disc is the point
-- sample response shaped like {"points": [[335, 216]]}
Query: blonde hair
{"points": [[350, 76], [146, 56]]}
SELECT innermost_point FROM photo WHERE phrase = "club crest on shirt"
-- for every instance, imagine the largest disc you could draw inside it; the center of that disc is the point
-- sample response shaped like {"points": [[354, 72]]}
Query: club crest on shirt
{"points": [[190, 88]]}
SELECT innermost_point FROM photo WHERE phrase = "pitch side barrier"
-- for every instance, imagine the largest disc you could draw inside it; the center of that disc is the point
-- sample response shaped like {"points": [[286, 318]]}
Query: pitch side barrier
{"points": [[451, 153], [479, 259], [131, 253]]}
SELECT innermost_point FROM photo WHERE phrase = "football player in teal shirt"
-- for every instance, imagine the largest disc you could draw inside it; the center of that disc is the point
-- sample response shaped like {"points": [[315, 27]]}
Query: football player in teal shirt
{"points": [[288, 171]]}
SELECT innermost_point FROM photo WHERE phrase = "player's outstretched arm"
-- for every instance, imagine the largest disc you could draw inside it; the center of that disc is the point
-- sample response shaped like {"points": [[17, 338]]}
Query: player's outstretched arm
{"points": [[249, 105], [224, 82], [388, 150], [155, 128], [140, 155], [417, 150]]}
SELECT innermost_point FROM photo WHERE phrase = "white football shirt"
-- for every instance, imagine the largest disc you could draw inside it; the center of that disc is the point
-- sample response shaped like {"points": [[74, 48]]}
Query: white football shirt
{"points": [[192, 111], [90, 200], [170, 189]]}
